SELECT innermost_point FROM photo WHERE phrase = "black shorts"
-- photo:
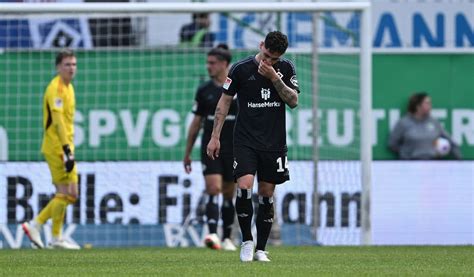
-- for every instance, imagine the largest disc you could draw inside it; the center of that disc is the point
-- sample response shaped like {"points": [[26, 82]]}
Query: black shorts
{"points": [[221, 165], [270, 166]]}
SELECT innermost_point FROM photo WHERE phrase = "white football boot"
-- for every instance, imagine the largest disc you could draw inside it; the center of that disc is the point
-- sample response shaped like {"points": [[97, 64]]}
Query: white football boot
{"points": [[246, 251], [33, 233], [63, 244], [261, 256], [228, 245]]}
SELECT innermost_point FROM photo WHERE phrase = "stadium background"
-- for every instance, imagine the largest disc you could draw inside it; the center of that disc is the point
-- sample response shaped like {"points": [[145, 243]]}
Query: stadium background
{"points": [[442, 67]]}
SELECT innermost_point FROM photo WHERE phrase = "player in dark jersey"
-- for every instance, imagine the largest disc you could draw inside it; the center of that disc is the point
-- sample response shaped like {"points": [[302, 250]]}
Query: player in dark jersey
{"points": [[263, 83], [217, 173]]}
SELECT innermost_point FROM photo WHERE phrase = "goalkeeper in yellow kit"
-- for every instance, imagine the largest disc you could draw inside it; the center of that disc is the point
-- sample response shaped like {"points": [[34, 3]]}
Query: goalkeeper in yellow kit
{"points": [[58, 149]]}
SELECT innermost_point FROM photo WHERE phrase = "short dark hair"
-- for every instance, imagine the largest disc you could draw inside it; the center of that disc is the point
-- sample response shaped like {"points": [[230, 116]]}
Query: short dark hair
{"points": [[276, 42], [223, 46], [415, 100], [221, 52], [200, 15], [65, 53]]}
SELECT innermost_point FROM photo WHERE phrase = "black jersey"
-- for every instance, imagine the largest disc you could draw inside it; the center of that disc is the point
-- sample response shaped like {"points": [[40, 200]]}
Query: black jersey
{"points": [[207, 96], [261, 118]]}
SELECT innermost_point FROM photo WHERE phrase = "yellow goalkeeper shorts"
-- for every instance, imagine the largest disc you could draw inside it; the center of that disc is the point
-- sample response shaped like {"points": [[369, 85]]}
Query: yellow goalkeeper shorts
{"points": [[58, 172]]}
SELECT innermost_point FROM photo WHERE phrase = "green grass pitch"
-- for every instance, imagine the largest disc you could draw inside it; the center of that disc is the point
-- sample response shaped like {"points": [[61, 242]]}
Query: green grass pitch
{"points": [[286, 261]]}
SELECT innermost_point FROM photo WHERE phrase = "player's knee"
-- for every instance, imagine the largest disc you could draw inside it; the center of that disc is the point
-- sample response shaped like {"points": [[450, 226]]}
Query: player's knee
{"points": [[228, 195], [266, 193], [213, 190], [245, 186], [73, 193], [266, 189], [245, 182], [228, 192], [61, 189], [228, 189]]}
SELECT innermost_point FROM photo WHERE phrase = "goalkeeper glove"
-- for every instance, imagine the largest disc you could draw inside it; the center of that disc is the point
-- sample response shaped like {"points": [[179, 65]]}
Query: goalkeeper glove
{"points": [[68, 158]]}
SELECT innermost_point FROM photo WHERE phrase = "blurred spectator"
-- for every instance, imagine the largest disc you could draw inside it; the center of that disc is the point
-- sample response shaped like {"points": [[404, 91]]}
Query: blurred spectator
{"points": [[112, 32], [196, 33], [415, 135]]}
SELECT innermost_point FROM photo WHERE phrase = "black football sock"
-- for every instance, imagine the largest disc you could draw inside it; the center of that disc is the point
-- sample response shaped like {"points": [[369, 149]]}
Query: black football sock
{"points": [[264, 221], [244, 210], [228, 213], [212, 213]]}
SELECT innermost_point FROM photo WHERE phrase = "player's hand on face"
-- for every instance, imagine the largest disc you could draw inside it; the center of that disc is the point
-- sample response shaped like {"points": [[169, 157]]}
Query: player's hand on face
{"points": [[213, 148], [266, 69], [187, 165]]}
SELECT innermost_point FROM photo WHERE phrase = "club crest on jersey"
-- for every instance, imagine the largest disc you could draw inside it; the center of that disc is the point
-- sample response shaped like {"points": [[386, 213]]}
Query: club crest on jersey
{"points": [[265, 93], [227, 83], [294, 81], [58, 102]]}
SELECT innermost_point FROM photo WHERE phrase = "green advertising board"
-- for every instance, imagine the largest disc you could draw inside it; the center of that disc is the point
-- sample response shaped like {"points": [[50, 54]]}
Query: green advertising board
{"points": [[135, 105], [448, 79]]}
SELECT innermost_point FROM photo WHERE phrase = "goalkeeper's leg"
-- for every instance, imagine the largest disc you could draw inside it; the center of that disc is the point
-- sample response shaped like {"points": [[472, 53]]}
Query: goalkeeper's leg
{"points": [[67, 195]]}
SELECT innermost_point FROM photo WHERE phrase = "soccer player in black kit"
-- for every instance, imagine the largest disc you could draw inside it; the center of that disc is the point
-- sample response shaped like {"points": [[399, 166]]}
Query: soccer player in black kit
{"points": [[217, 173], [263, 83]]}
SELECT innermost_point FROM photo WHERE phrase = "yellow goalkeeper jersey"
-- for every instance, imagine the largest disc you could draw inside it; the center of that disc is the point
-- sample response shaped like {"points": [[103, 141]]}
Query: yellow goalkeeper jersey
{"points": [[58, 98]]}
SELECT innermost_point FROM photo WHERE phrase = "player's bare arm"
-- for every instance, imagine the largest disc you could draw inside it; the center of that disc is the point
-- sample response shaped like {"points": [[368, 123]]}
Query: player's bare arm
{"points": [[222, 109], [193, 132], [287, 94]]}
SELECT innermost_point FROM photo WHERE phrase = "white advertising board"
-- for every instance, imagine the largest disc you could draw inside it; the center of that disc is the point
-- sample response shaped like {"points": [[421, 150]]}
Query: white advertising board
{"points": [[412, 202]]}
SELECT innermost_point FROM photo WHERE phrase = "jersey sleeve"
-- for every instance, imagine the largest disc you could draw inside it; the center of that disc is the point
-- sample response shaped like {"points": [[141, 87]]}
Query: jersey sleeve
{"points": [[199, 107], [55, 99], [231, 84], [290, 79]]}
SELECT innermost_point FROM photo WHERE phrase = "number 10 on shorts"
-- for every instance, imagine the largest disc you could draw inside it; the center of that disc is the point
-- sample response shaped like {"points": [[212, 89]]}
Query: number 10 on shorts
{"points": [[280, 164]]}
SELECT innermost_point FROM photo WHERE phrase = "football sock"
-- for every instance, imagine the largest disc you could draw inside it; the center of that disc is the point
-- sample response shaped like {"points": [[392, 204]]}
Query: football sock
{"points": [[228, 213], [45, 213], [264, 221], [58, 209], [212, 213], [244, 209]]}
